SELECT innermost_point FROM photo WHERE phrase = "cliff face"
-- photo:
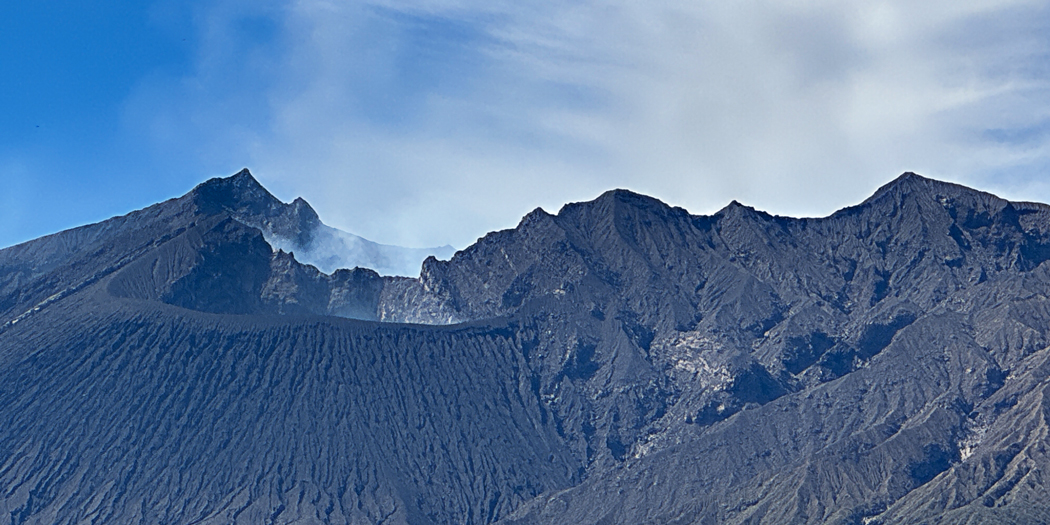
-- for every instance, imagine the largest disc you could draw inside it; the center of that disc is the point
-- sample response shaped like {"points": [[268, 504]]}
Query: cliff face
{"points": [[621, 361]]}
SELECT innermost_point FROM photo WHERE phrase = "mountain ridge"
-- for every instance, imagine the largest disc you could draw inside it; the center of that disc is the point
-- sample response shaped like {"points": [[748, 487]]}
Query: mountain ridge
{"points": [[621, 361], [296, 227]]}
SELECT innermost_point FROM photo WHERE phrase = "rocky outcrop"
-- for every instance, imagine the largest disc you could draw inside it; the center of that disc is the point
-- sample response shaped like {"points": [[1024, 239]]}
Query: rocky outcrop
{"points": [[621, 361]]}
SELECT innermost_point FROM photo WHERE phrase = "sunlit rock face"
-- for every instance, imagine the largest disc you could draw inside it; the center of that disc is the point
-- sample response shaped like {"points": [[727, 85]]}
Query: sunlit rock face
{"points": [[206, 360]]}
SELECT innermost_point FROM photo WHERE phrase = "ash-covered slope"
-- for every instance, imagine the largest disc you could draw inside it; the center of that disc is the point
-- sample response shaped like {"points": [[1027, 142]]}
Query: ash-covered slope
{"points": [[168, 367], [136, 412], [619, 362]]}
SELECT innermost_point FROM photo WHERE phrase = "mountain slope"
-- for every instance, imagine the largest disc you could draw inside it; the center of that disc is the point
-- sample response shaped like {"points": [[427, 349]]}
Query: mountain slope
{"points": [[621, 361], [133, 412], [74, 257], [296, 228]]}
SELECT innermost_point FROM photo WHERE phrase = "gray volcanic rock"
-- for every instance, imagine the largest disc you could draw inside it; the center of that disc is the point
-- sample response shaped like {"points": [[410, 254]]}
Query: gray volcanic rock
{"points": [[133, 411], [621, 361], [296, 228]]}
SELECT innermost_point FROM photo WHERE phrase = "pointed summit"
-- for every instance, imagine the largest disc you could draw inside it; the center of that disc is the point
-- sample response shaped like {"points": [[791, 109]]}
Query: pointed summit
{"points": [[910, 185], [296, 227], [906, 182], [613, 199], [619, 208], [303, 210], [242, 182], [243, 174], [241, 196], [247, 182], [736, 209], [238, 193], [906, 177], [733, 205], [630, 197]]}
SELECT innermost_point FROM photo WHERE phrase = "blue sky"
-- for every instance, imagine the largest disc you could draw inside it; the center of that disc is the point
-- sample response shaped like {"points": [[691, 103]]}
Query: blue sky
{"points": [[433, 122]]}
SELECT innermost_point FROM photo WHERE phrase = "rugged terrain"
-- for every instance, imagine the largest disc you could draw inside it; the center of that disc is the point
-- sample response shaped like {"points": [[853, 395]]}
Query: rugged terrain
{"points": [[295, 227], [621, 361]]}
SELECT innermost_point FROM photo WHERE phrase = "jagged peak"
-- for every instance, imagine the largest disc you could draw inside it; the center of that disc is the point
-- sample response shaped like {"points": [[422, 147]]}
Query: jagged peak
{"points": [[910, 186], [250, 203], [910, 177], [625, 196], [619, 193], [533, 217], [907, 182], [243, 181], [736, 209], [304, 210], [612, 200], [733, 205], [238, 192], [244, 175]]}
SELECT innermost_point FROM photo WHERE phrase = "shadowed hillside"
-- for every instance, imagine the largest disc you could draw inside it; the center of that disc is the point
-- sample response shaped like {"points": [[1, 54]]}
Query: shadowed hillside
{"points": [[621, 361]]}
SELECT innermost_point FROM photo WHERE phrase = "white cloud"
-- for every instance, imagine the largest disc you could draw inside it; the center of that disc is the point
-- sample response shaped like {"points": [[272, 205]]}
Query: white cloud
{"points": [[432, 122]]}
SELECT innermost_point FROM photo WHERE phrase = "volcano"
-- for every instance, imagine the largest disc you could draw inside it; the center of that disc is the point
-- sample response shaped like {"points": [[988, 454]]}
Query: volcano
{"points": [[218, 358]]}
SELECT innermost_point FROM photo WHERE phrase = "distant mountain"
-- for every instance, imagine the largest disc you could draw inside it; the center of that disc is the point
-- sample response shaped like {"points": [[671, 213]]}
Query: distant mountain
{"points": [[621, 361]]}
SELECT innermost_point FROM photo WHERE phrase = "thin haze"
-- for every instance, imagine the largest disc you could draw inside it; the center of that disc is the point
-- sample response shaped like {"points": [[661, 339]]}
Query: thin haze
{"points": [[434, 122]]}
